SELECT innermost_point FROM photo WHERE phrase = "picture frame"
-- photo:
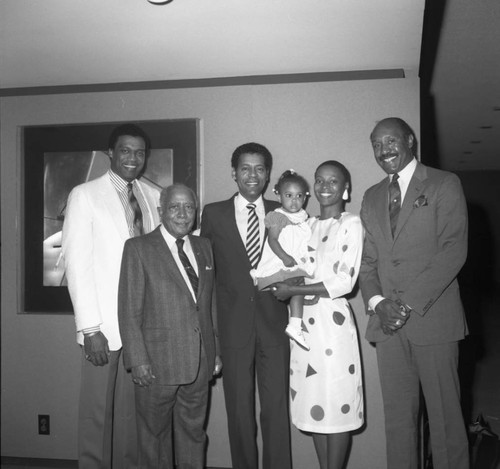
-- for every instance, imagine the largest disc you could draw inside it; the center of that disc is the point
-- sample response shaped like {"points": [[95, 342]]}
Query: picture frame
{"points": [[58, 157]]}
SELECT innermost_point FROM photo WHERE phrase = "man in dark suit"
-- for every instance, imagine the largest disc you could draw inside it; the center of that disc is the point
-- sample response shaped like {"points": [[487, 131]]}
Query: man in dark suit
{"points": [[166, 312], [251, 323], [415, 245]]}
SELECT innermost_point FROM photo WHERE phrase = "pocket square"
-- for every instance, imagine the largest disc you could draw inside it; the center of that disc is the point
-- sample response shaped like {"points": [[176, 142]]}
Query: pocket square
{"points": [[420, 201], [208, 267]]}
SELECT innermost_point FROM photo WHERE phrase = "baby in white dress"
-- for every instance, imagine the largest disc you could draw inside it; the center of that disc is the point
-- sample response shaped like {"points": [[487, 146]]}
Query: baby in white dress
{"points": [[285, 254]]}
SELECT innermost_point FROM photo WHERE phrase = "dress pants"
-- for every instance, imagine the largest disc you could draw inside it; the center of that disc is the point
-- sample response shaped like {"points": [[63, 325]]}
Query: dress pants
{"points": [[403, 368], [107, 437], [271, 364], [171, 422]]}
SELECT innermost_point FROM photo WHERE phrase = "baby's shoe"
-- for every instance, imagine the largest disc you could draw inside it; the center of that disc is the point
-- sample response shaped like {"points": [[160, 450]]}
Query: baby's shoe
{"points": [[297, 335]]}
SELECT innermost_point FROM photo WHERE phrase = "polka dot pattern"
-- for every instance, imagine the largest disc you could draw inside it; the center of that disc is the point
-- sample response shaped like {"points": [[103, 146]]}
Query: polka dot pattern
{"points": [[327, 389], [317, 413], [338, 318]]}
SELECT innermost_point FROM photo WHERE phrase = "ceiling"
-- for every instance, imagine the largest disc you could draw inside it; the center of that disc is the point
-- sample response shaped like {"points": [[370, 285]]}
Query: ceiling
{"points": [[466, 86], [86, 42]]}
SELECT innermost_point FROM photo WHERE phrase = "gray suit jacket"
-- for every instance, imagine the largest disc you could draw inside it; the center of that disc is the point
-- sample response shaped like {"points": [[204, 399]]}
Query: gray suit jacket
{"points": [[420, 265], [160, 323]]}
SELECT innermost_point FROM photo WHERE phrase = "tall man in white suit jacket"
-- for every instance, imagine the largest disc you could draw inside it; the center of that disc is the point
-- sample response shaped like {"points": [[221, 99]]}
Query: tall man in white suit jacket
{"points": [[100, 217], [408, 278]]}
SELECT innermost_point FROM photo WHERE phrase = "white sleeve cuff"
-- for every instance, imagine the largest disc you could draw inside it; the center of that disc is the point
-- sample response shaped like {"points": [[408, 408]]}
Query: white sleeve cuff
{"points": [[374, 301]]}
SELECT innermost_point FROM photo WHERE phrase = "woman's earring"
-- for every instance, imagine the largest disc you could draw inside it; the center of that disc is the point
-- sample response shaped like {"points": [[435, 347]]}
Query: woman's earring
{"points": [[345, 195]]}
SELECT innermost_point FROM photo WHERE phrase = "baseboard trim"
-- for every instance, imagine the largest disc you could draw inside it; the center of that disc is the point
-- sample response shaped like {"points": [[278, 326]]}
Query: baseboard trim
{"points": [[46, 463], [29, 462]]}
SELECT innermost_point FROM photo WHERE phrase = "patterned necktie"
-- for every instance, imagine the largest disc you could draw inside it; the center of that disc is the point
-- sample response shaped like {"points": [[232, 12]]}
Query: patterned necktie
{"points": [[191, 273], [394, 202], [253, 236], [138, 225]]}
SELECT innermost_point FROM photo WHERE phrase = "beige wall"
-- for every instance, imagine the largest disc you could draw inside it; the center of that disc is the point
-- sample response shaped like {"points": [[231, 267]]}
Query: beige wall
{"points": [[302, 125]]}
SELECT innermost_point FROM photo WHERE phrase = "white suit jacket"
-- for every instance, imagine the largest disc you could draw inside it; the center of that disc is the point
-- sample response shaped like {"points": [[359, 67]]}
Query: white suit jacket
{"points": [[94, 232]]}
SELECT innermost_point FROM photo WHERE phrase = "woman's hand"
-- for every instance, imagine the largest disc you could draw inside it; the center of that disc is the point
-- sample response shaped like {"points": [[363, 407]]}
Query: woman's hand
{"points": [[289, 261], [311, 301]]}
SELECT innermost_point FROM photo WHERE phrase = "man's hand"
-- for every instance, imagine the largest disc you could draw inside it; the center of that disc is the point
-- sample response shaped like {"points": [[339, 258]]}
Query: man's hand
{"points": [[96, 348], [142, 375], [218, 365], [392, 315], [281, 291]]}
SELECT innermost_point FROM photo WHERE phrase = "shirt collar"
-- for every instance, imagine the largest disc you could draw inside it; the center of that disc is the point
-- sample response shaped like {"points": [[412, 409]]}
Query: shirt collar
{"points": [[241, 203], [407, 172], [118, 182], [169, 239]]}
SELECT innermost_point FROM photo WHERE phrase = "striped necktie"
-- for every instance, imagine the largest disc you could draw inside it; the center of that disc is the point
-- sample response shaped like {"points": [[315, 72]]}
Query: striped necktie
{"points": [[134, 204], [191, 273], [394, 202], [253, 236]]}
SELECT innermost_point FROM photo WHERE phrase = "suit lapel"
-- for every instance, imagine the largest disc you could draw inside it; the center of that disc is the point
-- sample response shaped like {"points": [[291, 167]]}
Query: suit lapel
{"points": [[233, 234], [415, 189], [229, 220], [196, 246], [167, 259], [268, 207], [152, 214], [112, 202], [382, 208]]}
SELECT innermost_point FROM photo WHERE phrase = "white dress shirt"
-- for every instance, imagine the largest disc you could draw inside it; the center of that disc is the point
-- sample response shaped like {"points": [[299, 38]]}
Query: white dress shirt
{"points": [[171, 243], [405, 176], [241, 215]]}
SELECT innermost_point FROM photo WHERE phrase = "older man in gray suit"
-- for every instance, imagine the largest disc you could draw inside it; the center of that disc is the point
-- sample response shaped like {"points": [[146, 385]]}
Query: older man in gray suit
{"points": [[166, 311], [415, 245]]}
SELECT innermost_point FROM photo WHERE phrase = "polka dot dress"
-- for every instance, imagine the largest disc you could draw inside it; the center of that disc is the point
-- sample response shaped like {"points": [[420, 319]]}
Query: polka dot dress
{"points": [[326, 391]]}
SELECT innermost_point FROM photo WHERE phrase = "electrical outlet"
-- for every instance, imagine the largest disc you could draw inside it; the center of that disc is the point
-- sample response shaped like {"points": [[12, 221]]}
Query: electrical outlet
{"points": [[44, 424]]}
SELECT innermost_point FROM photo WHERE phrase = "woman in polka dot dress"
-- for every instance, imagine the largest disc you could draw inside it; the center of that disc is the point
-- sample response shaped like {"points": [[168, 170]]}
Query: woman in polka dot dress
{"points": [[326, 390]]}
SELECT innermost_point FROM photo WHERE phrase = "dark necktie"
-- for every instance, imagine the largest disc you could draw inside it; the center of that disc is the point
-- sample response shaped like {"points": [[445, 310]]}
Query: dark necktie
{"points": [[253, 236], [138, 225], [394, 202], [191, 273]]}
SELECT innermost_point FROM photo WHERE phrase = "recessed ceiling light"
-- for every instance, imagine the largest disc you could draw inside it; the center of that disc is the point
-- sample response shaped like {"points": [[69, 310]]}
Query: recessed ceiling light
{"points": [[159, 2]]}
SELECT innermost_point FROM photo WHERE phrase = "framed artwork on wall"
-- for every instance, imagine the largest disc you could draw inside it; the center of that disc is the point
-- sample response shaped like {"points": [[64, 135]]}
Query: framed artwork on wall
{"points": [[57, 158]]}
